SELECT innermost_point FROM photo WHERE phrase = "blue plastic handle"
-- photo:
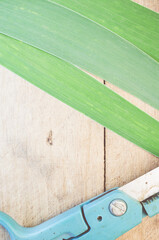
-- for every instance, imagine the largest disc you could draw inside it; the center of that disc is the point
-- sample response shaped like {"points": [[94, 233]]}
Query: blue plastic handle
{"points": [[64, 226], [91, 220]]}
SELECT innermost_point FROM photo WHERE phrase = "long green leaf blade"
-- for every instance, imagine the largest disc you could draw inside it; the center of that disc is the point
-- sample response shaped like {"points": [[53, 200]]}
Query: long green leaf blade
{"points": [[126, 18], [80, 41], [75, 88]]}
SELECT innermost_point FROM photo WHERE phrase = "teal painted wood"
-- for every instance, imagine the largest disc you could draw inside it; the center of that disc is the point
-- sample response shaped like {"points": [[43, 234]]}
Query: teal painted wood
{"points": [[82, 222]]}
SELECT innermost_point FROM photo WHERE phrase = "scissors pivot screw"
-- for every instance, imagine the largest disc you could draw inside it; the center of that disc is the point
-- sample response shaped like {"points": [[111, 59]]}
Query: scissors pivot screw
{"points": [[118, 207]]}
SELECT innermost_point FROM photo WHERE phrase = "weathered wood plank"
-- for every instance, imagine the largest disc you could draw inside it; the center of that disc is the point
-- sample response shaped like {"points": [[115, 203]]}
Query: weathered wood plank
{"points": [[125, 161], [51, 157]]}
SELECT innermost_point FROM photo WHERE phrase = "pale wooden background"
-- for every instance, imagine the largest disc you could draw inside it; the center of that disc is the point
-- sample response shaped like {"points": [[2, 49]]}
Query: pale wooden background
{"points": [[52, 157]]}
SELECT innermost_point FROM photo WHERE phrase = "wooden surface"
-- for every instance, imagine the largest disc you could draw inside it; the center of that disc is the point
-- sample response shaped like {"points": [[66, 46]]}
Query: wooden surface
{"points": [[52, 157]]}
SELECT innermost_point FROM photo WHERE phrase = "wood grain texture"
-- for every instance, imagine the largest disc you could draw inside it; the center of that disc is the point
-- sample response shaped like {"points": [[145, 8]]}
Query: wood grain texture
{"points": [[52, 157], [125, 161]]}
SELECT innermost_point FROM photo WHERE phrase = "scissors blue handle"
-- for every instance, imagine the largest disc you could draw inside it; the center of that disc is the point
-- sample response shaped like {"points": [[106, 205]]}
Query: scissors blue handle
{"points": [[90, 220]]}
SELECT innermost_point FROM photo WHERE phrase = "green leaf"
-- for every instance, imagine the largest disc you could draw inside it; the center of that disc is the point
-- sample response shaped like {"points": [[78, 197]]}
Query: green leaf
{"points": [[75, 88], [89, 44], [126, 18]]}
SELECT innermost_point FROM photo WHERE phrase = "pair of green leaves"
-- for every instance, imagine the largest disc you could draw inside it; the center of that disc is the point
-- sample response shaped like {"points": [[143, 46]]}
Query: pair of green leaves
{"points": [[46, 42]]}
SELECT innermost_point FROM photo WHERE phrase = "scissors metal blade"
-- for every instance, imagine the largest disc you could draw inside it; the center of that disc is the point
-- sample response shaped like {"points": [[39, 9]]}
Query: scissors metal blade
{"points": [[144, 186]]}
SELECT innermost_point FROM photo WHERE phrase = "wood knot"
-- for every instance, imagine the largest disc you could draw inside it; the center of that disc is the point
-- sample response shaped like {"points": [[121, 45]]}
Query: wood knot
{"points": [[49, 138]]}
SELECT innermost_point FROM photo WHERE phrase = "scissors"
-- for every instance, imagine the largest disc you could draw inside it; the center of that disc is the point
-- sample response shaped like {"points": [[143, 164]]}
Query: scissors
{"points": [[104, 217]]}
